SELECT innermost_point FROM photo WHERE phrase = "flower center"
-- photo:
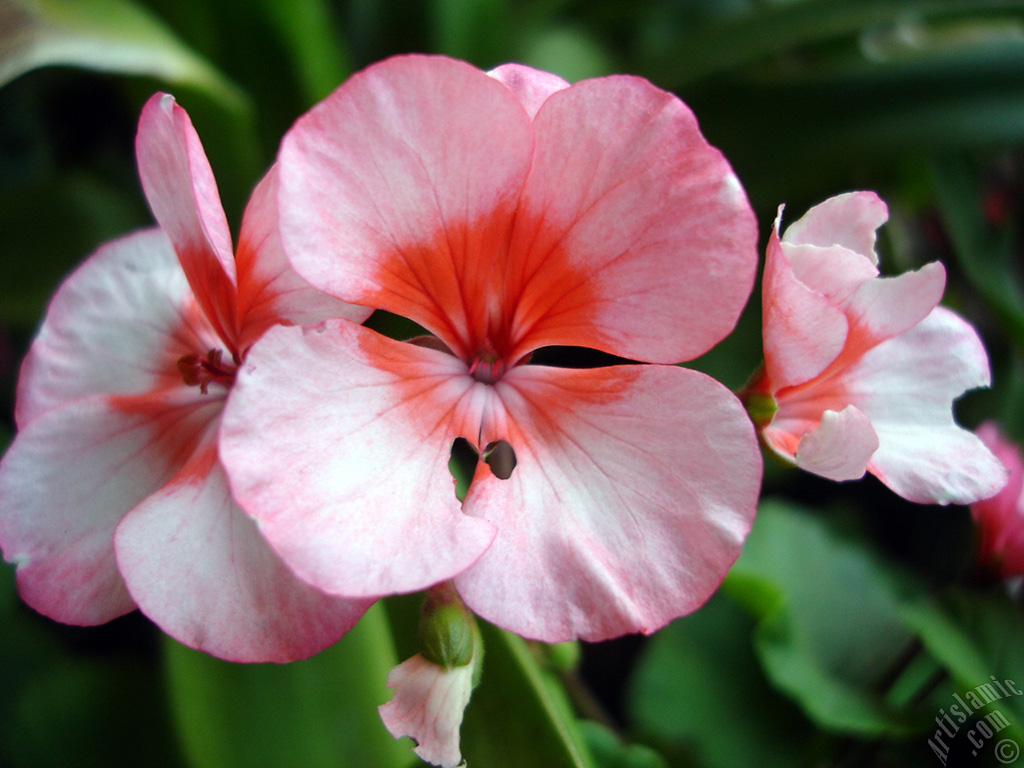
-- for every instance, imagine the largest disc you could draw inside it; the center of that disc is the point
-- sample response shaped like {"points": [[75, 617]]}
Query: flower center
{"points": [[200, 372], [488, 366]]}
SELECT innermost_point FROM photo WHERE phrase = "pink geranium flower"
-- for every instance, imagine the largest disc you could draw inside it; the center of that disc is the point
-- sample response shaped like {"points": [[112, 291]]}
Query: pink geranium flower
{"points": [[863, 369], [505, 213], [1000, 519], [112, 495]]}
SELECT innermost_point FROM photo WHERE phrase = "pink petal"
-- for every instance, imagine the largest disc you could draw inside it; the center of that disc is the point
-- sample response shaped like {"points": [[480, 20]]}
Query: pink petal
{"points": [[67, 480], [634, 235], [840, 447], [531, 86], [428, 706], [633, 491], [848, 220], [1001, 517], [182, 193], [906, 387], [269, 290], [834, 272], [398, 192], [198, 567], [92, 341], [803, 331], [337, 441]]}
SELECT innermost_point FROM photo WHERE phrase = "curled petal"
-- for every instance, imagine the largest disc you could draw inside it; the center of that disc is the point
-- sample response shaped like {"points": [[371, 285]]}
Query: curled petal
{"points": [[428, 705], [68, 479], [633, 235], [906, 386], [848, 220], [840, 447], [337, 441], [182, 193], [198, 567], [633, 490], [803, 331], [531, 86], [92, 341]]}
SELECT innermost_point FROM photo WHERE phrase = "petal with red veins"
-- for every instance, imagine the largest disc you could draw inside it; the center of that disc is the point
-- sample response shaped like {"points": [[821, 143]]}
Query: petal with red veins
{"points": [[840, 447], [269, 290], [634, 236], [337, 441], [906, 387], [633, 491], [93, 341], [887, 306], [834, 272], [803, 331], [68, 479], [849, 220], [198, 567], [428, 706], [398, 192], [182, 194], [531, 86]]}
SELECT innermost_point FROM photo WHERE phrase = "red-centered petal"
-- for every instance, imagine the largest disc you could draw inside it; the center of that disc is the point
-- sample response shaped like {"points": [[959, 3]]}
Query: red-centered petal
{"points": [[803, 331], [182, 194], [848, 220], [633, 491], [840, 447], [337, 441], [68, 479], [906, 386], [117, 325], [634, 236], [269, 290], [198, 567], [398, 192], [531, 86]]}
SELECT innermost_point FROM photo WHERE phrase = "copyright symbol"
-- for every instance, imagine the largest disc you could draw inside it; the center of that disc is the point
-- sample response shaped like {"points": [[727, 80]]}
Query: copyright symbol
{"points": [[1007, 751]]}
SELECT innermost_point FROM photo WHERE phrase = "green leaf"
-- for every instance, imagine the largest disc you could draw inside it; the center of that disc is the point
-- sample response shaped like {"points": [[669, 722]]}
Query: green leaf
{"points": [[473, 30], [519, 716], [107, 35], [978, 638], [317, 712], [698, 690], [610, 752], [829, 626], [983, 254]]}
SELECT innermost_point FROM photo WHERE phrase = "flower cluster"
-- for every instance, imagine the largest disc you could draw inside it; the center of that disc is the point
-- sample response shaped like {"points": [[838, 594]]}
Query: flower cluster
{"points": [[210, 434]]}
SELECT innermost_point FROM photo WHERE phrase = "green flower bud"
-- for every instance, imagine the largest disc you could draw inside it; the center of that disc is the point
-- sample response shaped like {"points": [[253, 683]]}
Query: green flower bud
{"points": [[448, 633]]}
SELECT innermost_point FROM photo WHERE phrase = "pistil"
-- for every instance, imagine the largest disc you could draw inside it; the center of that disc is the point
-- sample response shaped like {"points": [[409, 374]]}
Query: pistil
{"points": [[201, 372]]}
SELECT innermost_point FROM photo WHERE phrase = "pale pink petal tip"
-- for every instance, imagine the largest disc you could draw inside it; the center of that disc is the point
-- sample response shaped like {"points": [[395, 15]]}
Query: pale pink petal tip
{"points": [[531, 86], [847, 220], [427, 706], [840, 447]]}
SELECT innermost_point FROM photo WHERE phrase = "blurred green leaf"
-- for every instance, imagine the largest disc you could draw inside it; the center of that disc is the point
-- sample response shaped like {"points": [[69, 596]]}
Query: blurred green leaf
{"points": [[610, 752], [699, 689], [829, 625], [976, 637], [983, 253], [519, 716], [473, 30], [570, 52], [317, 712], [769, 28], [308, 30], [108, 35]]}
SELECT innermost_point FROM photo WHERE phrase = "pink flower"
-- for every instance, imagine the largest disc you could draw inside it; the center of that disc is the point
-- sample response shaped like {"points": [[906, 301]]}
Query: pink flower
{"points": [[428, 706], [1001, 518], [504, 214], [864, 369], [112, 494]]}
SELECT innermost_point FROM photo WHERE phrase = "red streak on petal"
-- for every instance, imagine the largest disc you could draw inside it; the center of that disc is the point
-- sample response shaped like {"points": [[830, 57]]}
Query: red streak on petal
{"points": [[477, 288]]}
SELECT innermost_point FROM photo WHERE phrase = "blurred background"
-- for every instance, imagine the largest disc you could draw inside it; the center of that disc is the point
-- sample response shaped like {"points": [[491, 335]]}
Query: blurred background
{"points": [[853, 618]]}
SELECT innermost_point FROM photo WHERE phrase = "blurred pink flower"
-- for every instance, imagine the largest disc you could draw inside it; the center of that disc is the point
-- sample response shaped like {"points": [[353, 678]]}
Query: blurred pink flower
{"points": [[505, 213], [1001, 517], [112, 495], [863, 369]]}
